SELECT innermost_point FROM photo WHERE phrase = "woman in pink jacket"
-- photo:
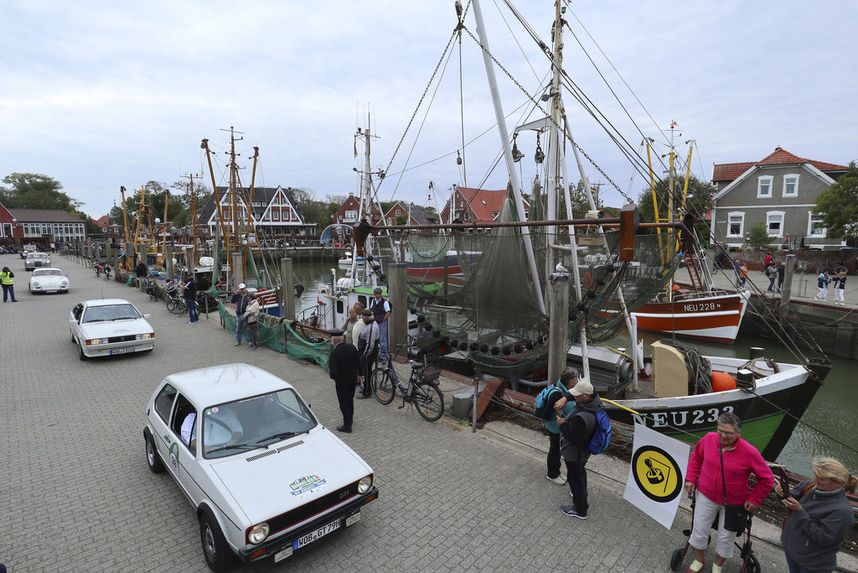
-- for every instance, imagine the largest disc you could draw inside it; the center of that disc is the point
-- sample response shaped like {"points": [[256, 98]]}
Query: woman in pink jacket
{"points": [[718, 471]]}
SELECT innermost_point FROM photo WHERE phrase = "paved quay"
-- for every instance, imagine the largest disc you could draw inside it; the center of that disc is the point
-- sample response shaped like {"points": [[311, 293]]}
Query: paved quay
{"points": [[76, 495]]}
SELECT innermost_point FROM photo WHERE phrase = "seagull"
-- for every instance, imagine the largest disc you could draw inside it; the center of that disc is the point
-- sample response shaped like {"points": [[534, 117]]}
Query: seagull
{"points": [[560, 268]]}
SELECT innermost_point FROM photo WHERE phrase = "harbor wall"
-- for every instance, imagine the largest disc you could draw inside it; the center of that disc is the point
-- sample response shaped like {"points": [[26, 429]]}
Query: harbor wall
{"points": [[834, 328]]}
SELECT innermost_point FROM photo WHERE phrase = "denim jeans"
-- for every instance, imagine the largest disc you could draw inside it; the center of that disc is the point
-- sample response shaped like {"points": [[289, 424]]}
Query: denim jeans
{"points": [[382, 350], [193, 311], [10, 291]]}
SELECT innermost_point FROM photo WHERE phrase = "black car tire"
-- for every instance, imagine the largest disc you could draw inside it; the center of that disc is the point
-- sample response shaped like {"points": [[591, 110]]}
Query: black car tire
{"points": [[153, 460], [216, 551], [81, 355]]}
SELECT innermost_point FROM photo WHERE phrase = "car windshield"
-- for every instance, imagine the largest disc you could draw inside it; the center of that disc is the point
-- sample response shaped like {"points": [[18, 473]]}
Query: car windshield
{"points": [[110, 312], [37, 256], [254, 423], [48, 273]]}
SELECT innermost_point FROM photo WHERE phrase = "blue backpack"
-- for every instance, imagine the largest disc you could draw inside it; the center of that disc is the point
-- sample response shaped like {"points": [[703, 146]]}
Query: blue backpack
{"points": [[601, 435], [541, 407]]}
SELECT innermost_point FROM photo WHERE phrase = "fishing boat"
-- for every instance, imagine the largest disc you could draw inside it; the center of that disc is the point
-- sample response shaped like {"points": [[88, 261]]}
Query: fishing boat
{"points": [[502, 322]]}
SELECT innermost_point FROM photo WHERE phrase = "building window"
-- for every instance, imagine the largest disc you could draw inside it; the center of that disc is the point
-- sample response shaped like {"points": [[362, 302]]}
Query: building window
{"points": [[790, 185], [275, 215], [350, 215], [764, 187], [775, 223], [815, 226], [735, 224]]}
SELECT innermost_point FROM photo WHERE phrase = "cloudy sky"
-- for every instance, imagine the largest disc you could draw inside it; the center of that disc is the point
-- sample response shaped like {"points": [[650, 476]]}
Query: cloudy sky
{"points": [[102, 94]]}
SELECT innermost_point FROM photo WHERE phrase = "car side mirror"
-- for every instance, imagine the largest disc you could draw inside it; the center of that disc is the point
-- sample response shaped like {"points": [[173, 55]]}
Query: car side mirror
{"points": [[147, 315]]}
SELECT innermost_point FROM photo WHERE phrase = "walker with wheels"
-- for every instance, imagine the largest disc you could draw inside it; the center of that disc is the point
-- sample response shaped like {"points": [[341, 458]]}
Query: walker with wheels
{"points": [[750, 563]]}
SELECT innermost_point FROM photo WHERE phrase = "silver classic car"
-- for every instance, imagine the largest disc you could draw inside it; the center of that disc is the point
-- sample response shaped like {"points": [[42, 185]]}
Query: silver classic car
{"points": [[263, 475]]}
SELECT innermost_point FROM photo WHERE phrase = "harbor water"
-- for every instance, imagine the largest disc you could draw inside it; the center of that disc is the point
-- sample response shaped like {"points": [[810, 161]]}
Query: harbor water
{"points": [[832, 417]]}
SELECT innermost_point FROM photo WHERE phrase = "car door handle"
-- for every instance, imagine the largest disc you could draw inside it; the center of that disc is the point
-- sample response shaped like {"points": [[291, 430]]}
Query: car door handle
{"points": [[167, 438]]}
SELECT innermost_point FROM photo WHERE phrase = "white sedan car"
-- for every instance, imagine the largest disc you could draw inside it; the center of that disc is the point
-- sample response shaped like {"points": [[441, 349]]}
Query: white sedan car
{"points": [[48, 280], [263, 475], [105, 327]]}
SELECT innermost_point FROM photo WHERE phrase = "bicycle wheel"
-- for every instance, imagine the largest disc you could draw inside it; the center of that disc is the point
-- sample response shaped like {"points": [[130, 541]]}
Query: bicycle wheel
{"points": [[429, 401], [382, 386], [172, 305]]}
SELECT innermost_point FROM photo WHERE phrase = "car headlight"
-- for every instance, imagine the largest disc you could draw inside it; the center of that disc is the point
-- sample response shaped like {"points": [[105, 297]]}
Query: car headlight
{"points": [[364, 484], [146, 336], [36, 284], [96, 341], [64, 284], [257, 533]]}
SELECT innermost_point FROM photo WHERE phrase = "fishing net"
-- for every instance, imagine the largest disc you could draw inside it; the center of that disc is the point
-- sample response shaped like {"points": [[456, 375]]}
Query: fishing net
{"points": [[484, 303], [281, 337]]}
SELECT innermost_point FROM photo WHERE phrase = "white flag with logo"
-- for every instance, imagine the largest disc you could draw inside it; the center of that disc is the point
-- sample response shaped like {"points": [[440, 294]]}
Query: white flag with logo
{"points": [[656, 474]]}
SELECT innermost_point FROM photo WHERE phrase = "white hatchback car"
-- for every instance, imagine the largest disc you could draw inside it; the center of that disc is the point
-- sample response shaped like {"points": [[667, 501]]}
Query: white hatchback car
{"points": [[48, 280], [105, 327], [264, 476]]}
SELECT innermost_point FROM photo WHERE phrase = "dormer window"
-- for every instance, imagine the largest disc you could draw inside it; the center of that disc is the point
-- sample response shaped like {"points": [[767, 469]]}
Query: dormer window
{"points": [[764, 187], [790, 186]]}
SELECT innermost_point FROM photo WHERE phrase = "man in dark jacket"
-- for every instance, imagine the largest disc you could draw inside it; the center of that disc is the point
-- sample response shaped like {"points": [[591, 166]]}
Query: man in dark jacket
{"points": [[576, 430], [344, 367]]}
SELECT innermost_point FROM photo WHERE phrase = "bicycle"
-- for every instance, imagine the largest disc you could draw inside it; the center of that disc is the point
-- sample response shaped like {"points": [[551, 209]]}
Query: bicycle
{"points": [[422, 390], [175, 302]]}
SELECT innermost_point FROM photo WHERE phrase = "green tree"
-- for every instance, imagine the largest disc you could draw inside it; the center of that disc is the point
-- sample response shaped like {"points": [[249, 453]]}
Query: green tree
{"points": [[699, 202], [35, 191], [758, 236], [838, 205]]}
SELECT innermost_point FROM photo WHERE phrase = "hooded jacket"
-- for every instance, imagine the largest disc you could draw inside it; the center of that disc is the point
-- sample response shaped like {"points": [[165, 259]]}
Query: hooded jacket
{"points": [[575, 434], [813, 535]]}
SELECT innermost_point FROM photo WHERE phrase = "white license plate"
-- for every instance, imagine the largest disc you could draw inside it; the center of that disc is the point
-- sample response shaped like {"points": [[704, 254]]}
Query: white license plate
{"points": [[314, 535], [123, 350]]}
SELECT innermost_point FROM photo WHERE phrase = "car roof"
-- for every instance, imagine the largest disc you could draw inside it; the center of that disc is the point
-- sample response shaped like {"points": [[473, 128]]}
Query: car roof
{"points": [[105, 301], [225, 383], [40, 269]]}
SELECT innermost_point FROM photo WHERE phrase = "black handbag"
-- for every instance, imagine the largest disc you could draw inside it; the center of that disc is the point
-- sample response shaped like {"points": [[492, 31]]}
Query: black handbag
{"points": [[735, 516]]}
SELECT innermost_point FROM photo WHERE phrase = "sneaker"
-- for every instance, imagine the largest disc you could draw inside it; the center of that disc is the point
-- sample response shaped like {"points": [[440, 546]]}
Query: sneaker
{"points": [[362, 396], [237, 344], [559, 480], [570, 511]]}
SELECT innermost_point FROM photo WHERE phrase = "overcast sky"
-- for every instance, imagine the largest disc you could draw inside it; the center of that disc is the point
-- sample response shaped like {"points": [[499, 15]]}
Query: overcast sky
{"points": [[102, 94]]}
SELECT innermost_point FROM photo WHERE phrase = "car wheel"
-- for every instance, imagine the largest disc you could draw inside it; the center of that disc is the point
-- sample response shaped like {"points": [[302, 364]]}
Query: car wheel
{"points": [[216, 552], [156, 466], [81, 355]]}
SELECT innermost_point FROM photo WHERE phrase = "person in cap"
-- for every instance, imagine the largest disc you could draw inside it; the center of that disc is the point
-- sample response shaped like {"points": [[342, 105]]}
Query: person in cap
{"points": [[380, 308], [576, 430], [368, 344], [240, 300]]}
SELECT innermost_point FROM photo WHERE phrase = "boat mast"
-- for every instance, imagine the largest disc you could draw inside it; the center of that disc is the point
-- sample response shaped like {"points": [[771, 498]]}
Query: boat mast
{"points": [[205, 145], [558, 184], [250, 221], [510, 164], [128, 260], [164, 242]]}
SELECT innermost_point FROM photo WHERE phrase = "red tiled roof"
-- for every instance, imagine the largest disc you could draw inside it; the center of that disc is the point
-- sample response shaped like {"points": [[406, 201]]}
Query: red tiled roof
{"points": [[103, 221], [485, 204], [725, 172]]}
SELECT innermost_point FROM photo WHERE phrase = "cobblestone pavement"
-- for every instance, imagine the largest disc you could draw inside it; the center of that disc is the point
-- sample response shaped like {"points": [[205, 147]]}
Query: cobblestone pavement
{"points": [[76, 495]]}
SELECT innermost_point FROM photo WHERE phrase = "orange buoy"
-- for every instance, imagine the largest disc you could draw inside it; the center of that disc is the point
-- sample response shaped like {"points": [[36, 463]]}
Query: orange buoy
{"points": [[721, 381]]}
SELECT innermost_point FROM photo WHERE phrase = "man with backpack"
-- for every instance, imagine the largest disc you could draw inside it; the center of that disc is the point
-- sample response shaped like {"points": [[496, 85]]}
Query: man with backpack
{"points": [[584, 431], [543, 408]]}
